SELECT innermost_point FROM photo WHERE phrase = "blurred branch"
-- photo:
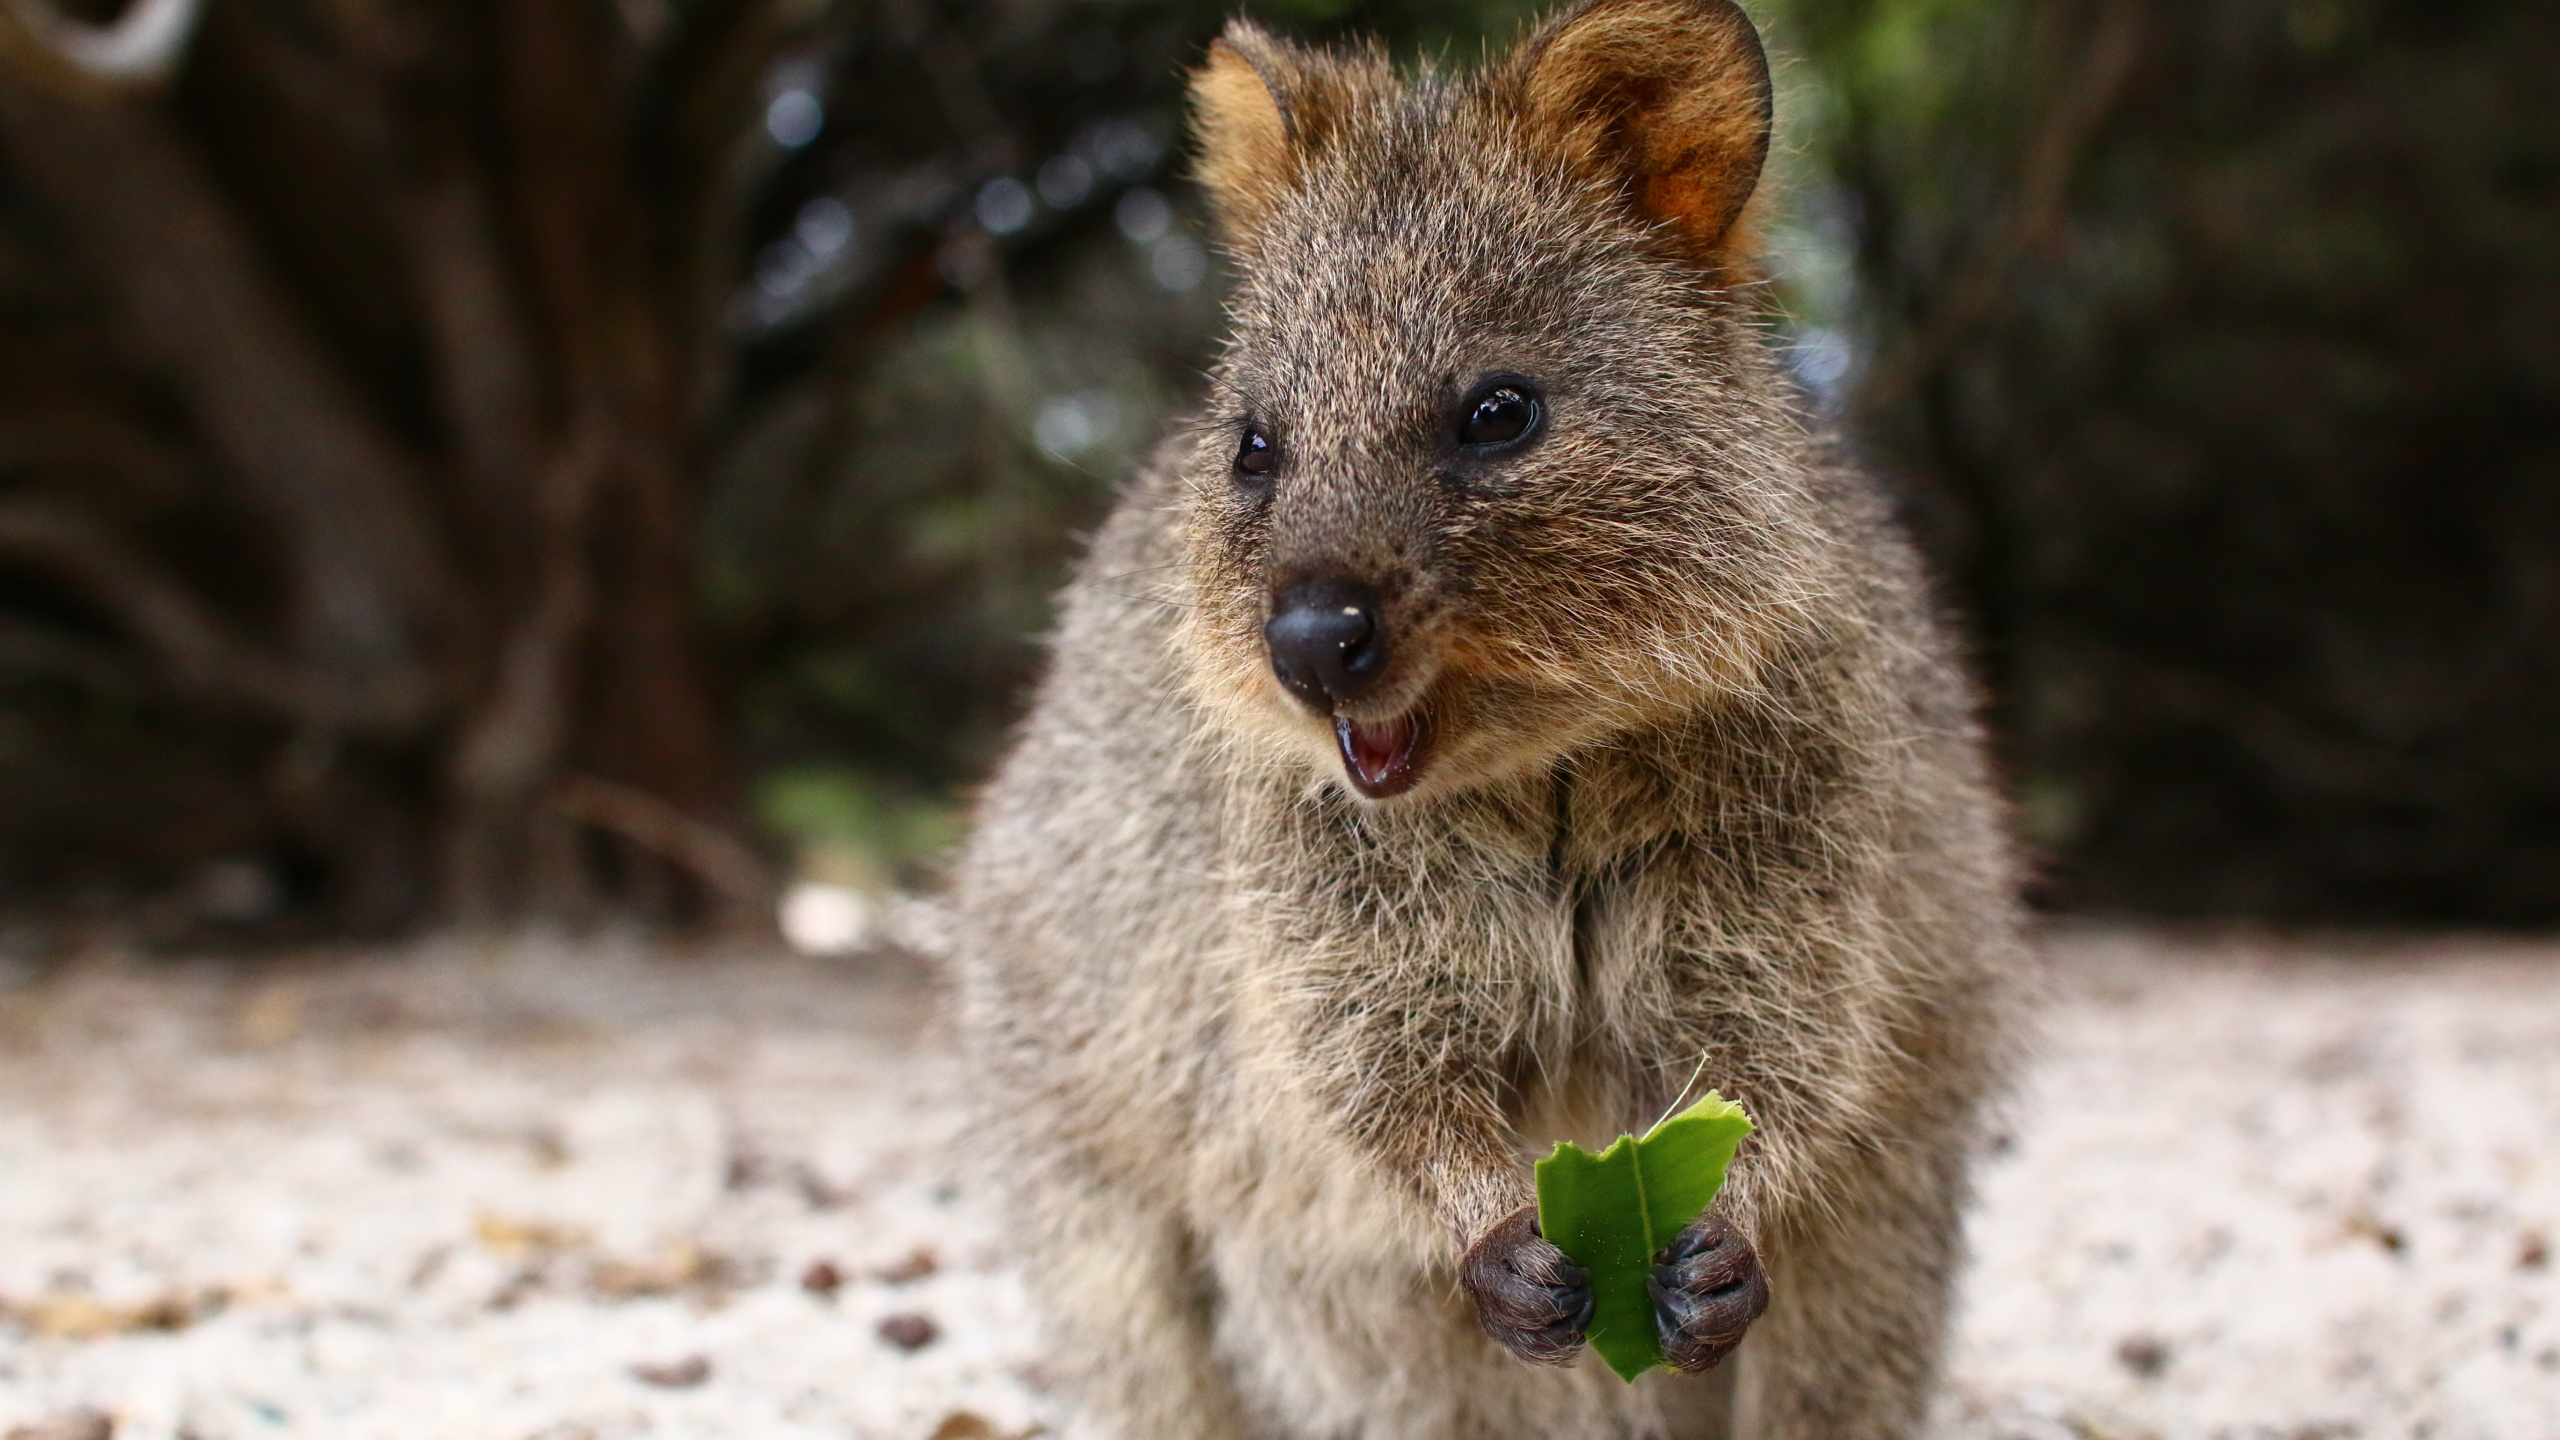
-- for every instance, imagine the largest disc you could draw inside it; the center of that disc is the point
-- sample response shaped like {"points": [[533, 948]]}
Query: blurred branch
{"points": [[197, 652], [718, 858], [959, 84], [514, 735], [56, 432], [2083, 96], [28, 650], [486, 372], [139, 49]]}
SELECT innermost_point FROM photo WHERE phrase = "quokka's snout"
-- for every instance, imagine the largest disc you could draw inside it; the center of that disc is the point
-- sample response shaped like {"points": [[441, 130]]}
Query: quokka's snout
{"points": [[1328, 640], [1332, 642]]}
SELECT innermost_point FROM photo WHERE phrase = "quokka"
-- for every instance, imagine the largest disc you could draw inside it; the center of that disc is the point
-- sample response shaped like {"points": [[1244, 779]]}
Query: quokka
{"points": [[1494, 708]]}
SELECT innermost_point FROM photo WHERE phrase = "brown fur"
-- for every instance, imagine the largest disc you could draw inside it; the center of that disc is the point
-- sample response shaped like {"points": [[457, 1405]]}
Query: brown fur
{"points": [[1264, 1058]]}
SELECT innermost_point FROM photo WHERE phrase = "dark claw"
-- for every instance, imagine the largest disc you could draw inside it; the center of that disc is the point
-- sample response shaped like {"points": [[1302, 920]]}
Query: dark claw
{"points": [[1697, 1240], [1707, 1288], [1528, 1296]]}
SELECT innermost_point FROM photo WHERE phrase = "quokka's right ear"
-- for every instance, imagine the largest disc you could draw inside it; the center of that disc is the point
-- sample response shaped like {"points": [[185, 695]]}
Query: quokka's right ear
{"points": [[1669, 98], [1258, 105]]}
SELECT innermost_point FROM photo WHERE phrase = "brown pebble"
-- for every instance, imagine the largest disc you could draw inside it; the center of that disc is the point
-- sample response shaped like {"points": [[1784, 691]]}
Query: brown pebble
{"points": [[2144, 1355], [2534, 1252], [964, 1425], [681, 1374], [2390, 1237], [918, 1264], [910, 1331], [821, 1278], [69, 1425]]}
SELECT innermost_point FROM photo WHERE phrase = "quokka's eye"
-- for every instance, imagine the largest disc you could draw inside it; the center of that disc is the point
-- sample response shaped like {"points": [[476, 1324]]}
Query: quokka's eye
{"points": [[1501, 415], [1254, 453]]}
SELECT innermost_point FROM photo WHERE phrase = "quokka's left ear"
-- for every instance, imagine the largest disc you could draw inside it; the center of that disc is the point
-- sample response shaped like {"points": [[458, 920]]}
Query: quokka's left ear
{"points": [[1669, 98], [1259, 107]]}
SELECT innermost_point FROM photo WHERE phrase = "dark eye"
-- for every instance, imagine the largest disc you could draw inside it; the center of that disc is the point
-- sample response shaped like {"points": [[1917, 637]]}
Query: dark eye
{"points": [[1254, 455], [1499, 416]]}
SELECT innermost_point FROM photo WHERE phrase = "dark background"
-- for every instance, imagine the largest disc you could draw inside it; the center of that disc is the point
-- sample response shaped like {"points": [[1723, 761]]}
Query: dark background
{"points": [[513, 459]]}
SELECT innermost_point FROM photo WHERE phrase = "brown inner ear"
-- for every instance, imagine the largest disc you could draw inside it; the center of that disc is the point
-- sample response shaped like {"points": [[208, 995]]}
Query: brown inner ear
{"points": [[1671, 97]]}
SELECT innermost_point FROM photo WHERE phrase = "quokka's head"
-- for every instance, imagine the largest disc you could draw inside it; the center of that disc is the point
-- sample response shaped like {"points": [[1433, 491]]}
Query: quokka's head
{"points": [[1495, 465]]}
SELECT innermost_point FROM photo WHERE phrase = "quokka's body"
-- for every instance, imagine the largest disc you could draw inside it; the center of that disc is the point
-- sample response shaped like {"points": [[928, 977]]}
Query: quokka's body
{"points": [[1494, 711]]}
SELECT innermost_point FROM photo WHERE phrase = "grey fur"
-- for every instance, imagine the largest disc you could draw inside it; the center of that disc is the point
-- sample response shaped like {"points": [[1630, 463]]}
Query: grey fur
{"points": [[1263, 1057]]}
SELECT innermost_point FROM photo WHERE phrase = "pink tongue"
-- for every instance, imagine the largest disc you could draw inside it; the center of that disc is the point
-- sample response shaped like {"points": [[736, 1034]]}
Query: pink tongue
{"points": [[1379, 757]]}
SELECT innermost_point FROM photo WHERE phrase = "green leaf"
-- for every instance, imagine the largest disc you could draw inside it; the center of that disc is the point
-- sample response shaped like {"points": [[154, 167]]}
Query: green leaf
{"points": [[1611, 1213]]}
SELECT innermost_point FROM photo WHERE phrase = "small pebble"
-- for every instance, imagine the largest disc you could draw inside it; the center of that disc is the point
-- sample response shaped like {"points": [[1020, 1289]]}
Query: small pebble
{"points": [[2144, 1355], [910, 1331], [681, 1374], [821, 1278], [918, 1264]]}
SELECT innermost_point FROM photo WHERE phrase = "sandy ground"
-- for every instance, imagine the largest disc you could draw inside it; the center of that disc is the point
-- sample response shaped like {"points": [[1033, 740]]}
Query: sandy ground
{"points": [[539, 1191]]}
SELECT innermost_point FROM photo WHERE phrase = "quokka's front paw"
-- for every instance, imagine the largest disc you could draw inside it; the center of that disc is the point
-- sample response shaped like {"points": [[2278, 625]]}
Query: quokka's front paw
{"points": [[1707, 1289], [1528, 1296]]}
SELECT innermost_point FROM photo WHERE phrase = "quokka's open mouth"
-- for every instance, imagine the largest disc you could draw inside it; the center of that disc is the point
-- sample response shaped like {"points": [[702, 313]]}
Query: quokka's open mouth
{"points": [[1385, 757]]}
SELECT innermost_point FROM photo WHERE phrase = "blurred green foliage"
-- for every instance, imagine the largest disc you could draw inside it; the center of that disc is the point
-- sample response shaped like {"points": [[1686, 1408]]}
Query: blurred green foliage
{"points": [[849, 827]]}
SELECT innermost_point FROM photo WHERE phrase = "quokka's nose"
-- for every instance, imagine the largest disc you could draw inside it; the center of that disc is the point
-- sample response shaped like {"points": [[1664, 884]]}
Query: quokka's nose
{"points": [[1328, 641]]}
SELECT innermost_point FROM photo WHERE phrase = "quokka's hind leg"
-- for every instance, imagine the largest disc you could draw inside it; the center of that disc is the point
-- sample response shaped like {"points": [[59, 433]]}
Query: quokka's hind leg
{"points": [[1851, 1346], [1125, 1325]]}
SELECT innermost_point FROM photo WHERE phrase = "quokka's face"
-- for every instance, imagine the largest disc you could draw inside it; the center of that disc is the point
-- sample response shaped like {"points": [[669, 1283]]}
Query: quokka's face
{"points": [[1484, 476]]}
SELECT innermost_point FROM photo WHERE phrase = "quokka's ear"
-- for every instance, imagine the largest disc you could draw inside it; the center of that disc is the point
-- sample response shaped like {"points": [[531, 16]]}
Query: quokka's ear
{"points": [[1669, 97], [1257, 105]]}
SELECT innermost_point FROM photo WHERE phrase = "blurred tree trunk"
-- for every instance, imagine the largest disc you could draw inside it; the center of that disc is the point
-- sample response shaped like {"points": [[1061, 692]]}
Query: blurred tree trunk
{"points": [[484, 676]]}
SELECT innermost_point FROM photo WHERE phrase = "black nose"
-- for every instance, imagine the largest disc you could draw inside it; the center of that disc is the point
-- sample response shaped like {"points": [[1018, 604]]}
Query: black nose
{"points": [[1328, 642]]}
